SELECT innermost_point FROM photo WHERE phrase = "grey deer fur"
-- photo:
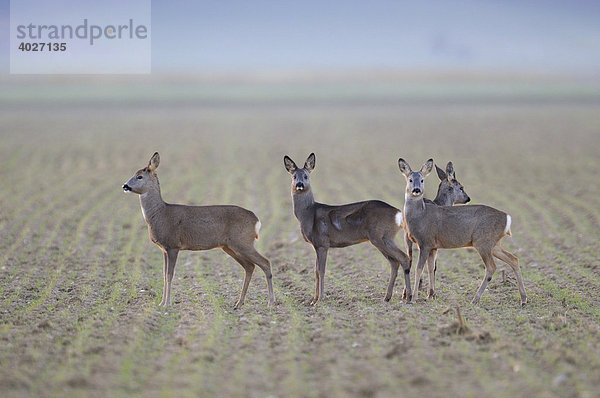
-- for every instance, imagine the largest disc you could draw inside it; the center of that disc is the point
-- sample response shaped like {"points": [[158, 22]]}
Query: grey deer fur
{"points": [[435, 227], [325, 226], [450, 192], [174, 227]]}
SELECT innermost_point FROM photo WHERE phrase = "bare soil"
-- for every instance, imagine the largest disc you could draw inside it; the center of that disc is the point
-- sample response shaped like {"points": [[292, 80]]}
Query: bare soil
{"points": [[80, 282]]}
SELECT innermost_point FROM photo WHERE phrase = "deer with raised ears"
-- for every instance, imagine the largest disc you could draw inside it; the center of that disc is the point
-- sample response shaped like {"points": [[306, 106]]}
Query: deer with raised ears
{"points": [[450, 192], [175, 227], [435, 227], [325, 227]]}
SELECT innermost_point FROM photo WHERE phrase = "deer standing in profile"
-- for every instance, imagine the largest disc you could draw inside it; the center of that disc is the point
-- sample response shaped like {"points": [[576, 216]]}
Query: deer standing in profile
{"points": [[325, 226], [450, 192], [435, 227], [175, 227]]}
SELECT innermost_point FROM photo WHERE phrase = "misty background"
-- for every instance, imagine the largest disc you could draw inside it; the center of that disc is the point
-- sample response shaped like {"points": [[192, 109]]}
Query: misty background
{"points": [[233, 36], [219, 52]]}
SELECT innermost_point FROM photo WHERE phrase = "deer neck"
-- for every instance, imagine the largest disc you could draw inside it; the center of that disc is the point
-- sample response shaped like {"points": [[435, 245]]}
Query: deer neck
{"points": [[413, 207], [442, 198], [303, 204], [152, 205]]}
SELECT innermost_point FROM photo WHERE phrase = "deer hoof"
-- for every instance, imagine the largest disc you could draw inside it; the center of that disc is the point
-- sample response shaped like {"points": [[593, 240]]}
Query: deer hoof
{"points": [[523, 303], [431, 294]]}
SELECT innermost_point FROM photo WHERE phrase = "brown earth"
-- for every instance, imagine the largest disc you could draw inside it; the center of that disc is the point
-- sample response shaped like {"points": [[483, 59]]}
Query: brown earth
{"points": [[80, 282]]}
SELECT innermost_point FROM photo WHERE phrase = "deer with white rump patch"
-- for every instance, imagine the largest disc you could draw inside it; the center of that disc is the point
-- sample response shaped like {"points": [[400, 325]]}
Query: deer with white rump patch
{"points": [[435, 227], [450, 192], [175, 227], [325, 226]]}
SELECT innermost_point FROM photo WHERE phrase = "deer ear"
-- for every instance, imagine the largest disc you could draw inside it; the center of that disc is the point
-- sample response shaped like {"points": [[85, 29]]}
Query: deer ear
{"points": [[441, 174], [404, 167], [309, 165], [289, 164], [450, 171], [154, 161], [427, 167]]}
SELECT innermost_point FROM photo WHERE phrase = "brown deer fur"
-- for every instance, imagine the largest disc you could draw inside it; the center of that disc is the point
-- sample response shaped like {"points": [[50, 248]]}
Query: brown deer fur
{"points": [[325, 226], [449, 193], [435, 227], [174, 227]]}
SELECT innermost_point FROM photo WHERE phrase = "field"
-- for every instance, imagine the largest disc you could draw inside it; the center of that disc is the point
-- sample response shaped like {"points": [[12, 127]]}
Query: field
{"points": [[80, 282]]}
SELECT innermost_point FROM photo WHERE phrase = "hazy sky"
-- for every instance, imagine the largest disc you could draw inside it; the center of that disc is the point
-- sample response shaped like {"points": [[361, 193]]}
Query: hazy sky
{"points": [[226, 35]]}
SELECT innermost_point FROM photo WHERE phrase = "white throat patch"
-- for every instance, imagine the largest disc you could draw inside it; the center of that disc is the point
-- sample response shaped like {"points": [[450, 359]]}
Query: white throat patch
{"points": [[142, 206]]}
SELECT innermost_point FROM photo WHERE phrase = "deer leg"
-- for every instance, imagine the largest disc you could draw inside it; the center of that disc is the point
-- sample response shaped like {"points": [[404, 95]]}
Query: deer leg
{"points": [[409, 249], [404, 260], [513, 262], [172, 259], [316, 296], [393, 274], [407, 293], [423, 254], [165, 262], [490, 268], [321, 262], [248, 270], [395, 256], [255, 257], [431, 272], [394, 264], [434, 269]]}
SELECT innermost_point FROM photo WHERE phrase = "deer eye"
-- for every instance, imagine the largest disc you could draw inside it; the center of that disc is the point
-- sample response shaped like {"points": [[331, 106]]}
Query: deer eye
{"points": [[421, 181], [139, 177], [410, 180]]}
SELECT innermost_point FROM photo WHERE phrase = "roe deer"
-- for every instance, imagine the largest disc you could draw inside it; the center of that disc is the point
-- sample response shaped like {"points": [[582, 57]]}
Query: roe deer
{"points": [[325, 226], [435, 227], [449, 193], [175, 227]]}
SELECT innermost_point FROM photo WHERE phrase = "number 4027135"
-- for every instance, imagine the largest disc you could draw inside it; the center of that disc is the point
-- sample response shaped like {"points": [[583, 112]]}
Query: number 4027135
{"points": [[43, 46]]}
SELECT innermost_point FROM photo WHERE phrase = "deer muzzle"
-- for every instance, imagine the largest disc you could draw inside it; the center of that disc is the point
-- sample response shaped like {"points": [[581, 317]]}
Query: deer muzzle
{"points": [[299, 186], [126, 188]]}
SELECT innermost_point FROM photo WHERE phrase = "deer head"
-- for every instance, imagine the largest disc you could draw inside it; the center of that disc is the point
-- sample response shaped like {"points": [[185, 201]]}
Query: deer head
{"points": [[300, 177], [415, 186], [144, 180], [450, 187]]}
